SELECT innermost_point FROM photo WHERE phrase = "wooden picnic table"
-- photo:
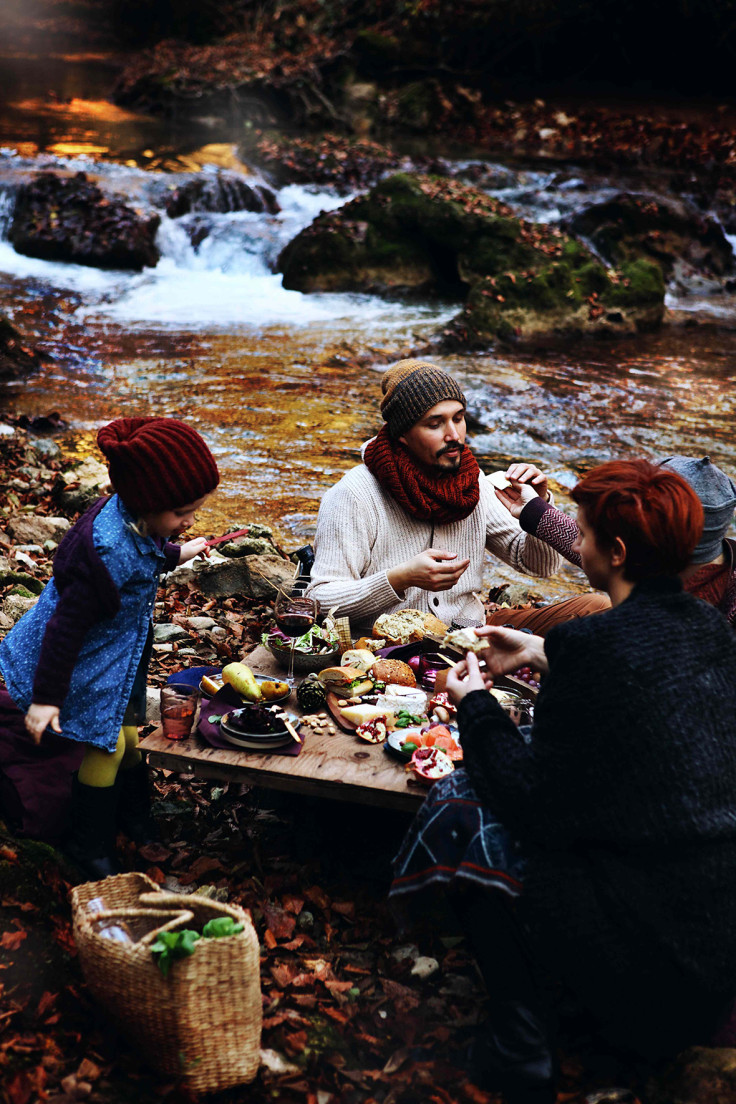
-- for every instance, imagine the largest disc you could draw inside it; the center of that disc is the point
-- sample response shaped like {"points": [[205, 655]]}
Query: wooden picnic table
{"points": [[335, 765]]}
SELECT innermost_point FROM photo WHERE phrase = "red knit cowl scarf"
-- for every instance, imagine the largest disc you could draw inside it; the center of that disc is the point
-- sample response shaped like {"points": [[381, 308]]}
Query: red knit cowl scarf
{"points": [[423, 492]]}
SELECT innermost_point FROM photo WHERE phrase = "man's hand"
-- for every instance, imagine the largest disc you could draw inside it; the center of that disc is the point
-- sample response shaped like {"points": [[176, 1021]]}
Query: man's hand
{"points": [[465, 677], [509, 649], [192, 548], [39, 717], [431, 570], [526, 478]]}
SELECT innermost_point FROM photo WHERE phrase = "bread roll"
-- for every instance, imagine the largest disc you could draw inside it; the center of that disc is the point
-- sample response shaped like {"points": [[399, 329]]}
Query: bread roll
{"points": [[359, 658], [393, 670]]}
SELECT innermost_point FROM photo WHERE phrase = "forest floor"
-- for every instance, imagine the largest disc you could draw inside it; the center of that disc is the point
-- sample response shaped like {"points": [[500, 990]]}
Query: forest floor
{"points": [[354, 1010]]}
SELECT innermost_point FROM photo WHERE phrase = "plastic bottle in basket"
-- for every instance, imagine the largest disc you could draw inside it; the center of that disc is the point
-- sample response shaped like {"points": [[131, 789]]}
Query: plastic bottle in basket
{"points": [[109, 929]]}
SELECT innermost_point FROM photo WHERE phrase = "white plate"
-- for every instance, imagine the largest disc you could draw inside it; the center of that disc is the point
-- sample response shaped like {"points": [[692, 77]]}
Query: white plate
{"points": [[396, 738], [399, 736]]}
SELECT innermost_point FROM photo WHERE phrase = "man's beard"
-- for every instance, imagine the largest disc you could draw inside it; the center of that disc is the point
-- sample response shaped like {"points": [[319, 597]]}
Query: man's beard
{"points": [[452, 452]]}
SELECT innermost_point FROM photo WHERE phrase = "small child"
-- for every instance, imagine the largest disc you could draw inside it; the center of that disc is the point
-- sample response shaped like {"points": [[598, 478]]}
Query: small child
{"points": [[76, 662]]}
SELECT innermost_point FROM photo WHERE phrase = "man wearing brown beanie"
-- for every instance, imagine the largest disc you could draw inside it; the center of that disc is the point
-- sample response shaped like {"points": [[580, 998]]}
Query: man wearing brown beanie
{"points": [[409, 527]]}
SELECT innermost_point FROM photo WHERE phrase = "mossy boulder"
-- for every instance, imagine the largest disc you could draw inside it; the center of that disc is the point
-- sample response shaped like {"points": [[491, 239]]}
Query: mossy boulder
{"points": [[562, 300], [629, 226], [427, 234]]}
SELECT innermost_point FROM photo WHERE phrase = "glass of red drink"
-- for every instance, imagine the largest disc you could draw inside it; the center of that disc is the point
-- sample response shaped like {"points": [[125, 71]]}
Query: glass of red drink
{"points": [[294, 615], [178, 706]]}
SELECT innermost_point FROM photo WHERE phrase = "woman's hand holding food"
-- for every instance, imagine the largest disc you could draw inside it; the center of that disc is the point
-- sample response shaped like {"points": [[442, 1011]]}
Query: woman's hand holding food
{"points": [[39, 718], [465, 677], [432, 570], [526, 478], [192, 548], [509, 649]]}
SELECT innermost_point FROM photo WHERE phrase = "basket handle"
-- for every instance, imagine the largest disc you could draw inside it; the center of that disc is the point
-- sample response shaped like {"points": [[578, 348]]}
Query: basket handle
{"points": [[178, 900], [184, 916]]}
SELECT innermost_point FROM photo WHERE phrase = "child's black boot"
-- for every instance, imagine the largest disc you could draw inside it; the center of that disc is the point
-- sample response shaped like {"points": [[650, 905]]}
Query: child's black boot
{"points": [[91, 841], [134, 805]]}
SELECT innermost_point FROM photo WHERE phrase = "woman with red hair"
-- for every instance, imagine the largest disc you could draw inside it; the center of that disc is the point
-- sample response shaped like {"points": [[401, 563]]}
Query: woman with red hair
{"points": [[612, 823]]}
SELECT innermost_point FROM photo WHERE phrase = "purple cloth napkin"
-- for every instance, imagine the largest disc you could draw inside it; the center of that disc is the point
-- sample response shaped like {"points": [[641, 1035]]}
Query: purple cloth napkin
{"points": [[223, 701]]}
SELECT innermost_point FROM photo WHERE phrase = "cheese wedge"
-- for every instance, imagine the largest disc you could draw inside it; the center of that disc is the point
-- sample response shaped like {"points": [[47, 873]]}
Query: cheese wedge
{"points": [[498, 480], [359, 714]]}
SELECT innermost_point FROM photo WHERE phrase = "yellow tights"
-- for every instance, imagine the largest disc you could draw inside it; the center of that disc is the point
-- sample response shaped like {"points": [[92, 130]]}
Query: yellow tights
{"points": [[100, 768]]}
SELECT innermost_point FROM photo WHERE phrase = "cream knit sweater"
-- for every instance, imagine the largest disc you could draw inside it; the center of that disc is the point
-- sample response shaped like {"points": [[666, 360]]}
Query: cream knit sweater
{"points": [[362, 533]]}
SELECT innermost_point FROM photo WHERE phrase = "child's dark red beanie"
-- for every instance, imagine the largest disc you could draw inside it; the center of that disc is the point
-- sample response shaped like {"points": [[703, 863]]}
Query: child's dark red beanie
{"points": [[157, 464]]}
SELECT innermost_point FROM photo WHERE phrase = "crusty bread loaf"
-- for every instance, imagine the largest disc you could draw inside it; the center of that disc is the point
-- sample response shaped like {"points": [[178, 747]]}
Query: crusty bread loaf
{"points": [[393, 670], [433, 625], [407, 625]]}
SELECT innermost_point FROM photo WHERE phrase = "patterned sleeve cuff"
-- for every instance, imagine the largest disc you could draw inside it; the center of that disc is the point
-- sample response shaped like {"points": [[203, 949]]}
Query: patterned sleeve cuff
{"points": [[532, 514]]}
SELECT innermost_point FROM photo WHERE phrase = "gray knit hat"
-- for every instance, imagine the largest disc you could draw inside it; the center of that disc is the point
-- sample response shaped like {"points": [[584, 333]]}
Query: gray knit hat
{"points": [[718, 495], [411, 388]]}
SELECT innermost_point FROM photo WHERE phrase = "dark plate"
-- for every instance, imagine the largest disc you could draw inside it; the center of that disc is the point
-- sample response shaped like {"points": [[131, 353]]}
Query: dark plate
{"points": [[226, 725]]}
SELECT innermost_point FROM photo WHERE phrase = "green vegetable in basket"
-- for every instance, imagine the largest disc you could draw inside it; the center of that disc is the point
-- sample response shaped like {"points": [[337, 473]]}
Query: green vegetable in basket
{"points": [[180, 944], [220, 927], [172, 945]]}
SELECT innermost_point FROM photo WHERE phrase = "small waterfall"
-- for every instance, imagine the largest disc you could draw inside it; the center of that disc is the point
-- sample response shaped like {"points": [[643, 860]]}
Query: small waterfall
{"points": [[7, 205]]}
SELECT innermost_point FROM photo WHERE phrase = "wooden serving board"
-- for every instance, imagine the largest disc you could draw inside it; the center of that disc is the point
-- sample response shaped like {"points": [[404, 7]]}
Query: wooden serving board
{"points": [[336, 713]]}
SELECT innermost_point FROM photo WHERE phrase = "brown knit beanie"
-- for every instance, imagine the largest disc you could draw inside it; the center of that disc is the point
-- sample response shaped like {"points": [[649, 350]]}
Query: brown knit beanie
{"points": [[157, 464], [411, 388]]}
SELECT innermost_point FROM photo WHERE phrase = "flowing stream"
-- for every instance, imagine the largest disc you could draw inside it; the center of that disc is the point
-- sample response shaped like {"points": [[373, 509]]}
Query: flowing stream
{"points": [[277, 381]]}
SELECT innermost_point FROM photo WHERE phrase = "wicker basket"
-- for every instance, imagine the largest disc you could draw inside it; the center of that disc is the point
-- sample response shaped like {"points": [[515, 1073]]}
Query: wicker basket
{"points": [[202, 1022], [303, 662]]}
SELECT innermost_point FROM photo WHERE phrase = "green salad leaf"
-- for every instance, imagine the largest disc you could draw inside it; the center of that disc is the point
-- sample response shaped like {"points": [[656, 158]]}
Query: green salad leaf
{"points": [[404, 719], [172, 945], [220, 927]]}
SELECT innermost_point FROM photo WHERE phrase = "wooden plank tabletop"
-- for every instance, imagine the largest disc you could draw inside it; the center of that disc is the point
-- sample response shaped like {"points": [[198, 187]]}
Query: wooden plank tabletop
{"points": [[334, 765]]}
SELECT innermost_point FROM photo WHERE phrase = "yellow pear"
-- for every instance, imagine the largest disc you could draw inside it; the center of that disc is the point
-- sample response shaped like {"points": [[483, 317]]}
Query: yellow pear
{"points": [[242, 679]]}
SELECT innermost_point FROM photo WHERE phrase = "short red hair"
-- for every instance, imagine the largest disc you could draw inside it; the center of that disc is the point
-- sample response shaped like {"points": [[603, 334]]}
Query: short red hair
{"points": [[654, 511]]}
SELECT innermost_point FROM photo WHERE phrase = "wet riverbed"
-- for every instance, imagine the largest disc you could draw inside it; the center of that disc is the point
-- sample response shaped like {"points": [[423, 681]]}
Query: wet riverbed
{"points": [[286, 386]]}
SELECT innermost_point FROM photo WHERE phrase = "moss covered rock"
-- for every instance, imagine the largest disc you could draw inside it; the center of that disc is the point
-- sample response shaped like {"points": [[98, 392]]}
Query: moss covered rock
{"points": [[428, 234], [630, 226], [560, 299]]}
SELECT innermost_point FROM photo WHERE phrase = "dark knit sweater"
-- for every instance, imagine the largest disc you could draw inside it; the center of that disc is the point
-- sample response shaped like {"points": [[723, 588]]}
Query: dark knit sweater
{"points": [[624, 801], [543, 520]]}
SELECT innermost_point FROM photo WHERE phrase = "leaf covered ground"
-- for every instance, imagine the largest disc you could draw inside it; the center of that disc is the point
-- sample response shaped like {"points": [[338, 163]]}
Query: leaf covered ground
{"points": [[354, 1009]]}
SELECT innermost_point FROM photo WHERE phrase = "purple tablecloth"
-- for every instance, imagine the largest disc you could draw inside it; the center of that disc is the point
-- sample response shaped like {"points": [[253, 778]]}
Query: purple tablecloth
{"points": [[223, 701]]}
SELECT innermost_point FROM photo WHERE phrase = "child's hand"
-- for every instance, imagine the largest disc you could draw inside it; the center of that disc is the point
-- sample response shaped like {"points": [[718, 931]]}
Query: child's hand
{"points": [[192, 548], [38, 719]]}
